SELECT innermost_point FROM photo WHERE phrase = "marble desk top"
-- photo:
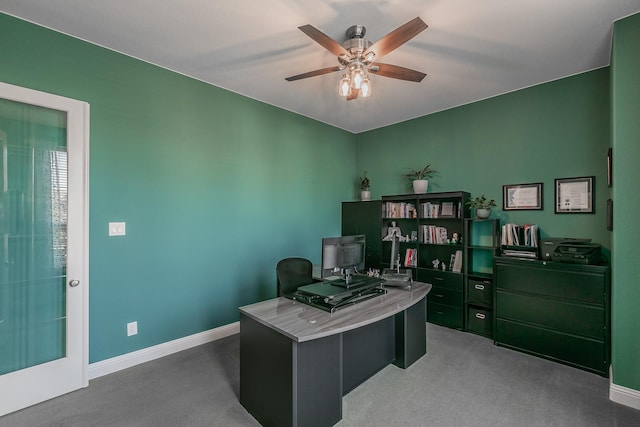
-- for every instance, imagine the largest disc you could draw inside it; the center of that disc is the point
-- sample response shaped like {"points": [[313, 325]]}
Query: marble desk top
{"points": [[301, 322]]}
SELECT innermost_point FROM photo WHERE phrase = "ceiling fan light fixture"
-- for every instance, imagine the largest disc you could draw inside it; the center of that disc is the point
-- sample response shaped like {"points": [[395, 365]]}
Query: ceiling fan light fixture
{"points": [[344, 89]]}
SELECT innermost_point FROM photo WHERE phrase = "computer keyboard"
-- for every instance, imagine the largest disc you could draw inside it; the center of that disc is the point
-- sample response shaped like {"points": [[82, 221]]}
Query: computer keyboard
{"points": [[357, 282]]}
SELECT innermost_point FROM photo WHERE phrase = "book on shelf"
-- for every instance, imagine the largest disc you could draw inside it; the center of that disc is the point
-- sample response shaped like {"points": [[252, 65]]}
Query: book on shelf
{"points": [[457, 262], [429, 210], [520, 241], [520, 235], [440, 210], [411, 257], [433, 234], [398, 210]]}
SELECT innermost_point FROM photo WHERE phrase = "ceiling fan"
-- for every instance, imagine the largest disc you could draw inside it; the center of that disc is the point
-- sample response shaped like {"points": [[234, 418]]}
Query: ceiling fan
{"points": [[358, 56]]}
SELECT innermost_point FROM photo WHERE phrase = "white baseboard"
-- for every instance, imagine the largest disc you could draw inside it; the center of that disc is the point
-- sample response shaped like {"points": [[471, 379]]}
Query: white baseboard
{"points": [[128, 360], [624, 396]]}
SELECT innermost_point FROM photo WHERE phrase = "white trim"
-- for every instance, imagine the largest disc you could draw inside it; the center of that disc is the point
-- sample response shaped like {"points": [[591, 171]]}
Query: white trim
{"points": [[624, 396], [128, 360]]}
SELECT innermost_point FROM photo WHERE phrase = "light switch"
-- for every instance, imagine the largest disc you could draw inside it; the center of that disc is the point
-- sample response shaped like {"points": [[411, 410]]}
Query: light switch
{"points": [[117, 229]]}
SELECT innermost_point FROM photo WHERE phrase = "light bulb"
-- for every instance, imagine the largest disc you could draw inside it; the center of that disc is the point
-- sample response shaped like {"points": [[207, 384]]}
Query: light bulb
{"points": [[356, 78], [365, 87], [344, 89]]}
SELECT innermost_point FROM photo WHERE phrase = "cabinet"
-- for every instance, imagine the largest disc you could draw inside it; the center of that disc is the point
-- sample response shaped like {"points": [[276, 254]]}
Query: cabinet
{"points": [[554, 310], [434, 224], [364, 218], [480, 246]]}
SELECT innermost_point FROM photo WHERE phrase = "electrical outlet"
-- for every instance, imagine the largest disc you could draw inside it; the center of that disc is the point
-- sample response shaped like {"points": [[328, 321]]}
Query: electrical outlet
{"points": [[132, 328]]}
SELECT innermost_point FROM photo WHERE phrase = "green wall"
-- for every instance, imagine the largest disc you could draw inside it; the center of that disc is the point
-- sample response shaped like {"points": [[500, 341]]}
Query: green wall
{"points": [[625, 72], [214, 188], [554, 130]]}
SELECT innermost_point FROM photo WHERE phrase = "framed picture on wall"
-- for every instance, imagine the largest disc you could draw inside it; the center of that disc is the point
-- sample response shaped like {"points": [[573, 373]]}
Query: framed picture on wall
{"points": [[522, 197], [575, 195]]}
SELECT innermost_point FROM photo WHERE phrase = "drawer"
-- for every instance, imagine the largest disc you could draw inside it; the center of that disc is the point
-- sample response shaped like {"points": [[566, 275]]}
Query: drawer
{"points": [[581, 352], [445, 296], [550, 280], [560, 315], [442, 279], [480, 292], [480, 320], [444, 315]]}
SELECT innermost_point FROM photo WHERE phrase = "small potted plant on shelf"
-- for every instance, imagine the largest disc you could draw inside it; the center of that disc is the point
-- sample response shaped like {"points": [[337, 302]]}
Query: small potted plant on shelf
{"points": [[418, 178], [365, 183], [482, 206]]}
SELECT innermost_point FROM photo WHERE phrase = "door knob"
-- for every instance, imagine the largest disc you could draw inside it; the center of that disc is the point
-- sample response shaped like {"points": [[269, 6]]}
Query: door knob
{"points": [[74, 283]]}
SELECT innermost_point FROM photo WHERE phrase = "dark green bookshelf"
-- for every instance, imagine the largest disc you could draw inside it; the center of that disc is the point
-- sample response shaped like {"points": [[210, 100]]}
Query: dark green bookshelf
{"points": [[480, 247]]}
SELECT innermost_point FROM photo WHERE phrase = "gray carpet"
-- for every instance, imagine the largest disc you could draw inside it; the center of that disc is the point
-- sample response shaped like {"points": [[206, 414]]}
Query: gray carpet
{"points": [[464, 380]]}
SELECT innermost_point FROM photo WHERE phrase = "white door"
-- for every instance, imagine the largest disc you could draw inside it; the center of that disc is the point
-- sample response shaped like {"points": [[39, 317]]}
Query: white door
{"points": [[44, 281]]}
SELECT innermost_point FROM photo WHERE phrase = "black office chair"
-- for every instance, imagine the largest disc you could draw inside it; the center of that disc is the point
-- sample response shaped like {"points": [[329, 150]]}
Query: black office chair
{"points": [[292, 273]]}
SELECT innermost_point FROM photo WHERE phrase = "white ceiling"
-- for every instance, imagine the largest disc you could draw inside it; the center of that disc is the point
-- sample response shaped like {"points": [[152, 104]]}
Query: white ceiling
{"points": [[472, 50]]}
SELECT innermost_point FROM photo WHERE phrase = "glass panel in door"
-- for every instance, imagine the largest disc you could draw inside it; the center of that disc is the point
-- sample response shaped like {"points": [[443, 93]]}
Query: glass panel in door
{"points": [[33, 226]]}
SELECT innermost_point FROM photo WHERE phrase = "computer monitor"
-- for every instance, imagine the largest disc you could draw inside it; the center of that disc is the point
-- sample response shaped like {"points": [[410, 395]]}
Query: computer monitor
{"points": [[342, 256]]}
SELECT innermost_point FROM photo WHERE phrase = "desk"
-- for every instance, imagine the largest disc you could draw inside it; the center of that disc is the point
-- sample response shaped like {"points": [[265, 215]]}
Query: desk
{"points": [[297, 361]]}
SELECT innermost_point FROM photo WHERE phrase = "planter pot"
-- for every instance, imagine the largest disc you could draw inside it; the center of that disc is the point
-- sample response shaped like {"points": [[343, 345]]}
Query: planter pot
{"points": [[420, 186], [365, 195], [483, 213]]}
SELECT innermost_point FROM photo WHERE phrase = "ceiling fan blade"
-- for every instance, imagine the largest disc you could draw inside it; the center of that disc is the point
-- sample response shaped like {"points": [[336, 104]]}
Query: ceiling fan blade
{"points": [[324, 40], [353, 95], [397, 72], [313, 73], [397, 37]]}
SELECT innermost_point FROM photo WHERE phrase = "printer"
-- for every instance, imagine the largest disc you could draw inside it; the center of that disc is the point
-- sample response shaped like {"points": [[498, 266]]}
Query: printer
{"points": [[570, 250]]}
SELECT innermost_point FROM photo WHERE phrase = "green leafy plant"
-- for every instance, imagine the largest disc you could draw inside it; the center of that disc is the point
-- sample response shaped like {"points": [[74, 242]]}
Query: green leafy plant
{"points": [[425, 172], [481, 202], [365, 183]]}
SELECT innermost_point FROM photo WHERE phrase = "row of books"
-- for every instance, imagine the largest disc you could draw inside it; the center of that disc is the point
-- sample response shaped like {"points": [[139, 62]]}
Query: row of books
{"points": [[433, 234], [440, 210], [398, 210], [520, 235], [411, 258]]}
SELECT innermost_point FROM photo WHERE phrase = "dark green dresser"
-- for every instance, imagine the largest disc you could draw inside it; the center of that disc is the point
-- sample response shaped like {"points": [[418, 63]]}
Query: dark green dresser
{"points": [[554, 310]]}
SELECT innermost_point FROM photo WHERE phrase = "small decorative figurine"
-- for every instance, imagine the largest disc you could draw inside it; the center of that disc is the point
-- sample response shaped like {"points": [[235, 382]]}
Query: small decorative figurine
{"points": [[454, 239], [435, 263], [394, 231]]}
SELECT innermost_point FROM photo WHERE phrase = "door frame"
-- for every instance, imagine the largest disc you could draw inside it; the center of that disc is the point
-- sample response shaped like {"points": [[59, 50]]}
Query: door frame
{"points": [[77, 351]]}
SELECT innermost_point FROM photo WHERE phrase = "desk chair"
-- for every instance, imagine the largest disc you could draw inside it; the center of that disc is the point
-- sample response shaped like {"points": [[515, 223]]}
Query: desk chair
{"points": [[292, 273]]}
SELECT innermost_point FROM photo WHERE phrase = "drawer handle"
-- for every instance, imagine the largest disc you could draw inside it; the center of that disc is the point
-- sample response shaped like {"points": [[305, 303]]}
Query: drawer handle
{"points": [[479, 287], [480, 316], [439, 278], [438, 295]]}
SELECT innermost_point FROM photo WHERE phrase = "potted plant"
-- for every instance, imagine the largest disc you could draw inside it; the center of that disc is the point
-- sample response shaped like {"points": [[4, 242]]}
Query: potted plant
{"points": [[482, 206], [418, 178], [365, 183]]}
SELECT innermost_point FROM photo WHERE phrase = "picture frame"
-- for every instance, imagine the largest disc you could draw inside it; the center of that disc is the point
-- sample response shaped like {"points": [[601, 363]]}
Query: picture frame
{"points": [[447, 210], [575, 195], [522, 196]]}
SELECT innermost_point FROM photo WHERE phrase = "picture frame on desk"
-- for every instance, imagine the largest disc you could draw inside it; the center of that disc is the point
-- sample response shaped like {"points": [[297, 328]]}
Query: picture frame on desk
{"points": [[575, 195], [522, 196]]}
